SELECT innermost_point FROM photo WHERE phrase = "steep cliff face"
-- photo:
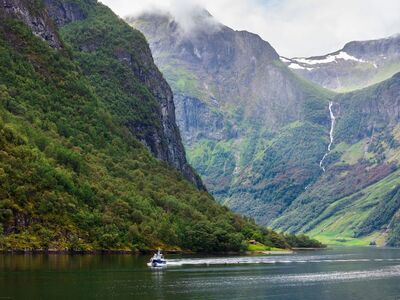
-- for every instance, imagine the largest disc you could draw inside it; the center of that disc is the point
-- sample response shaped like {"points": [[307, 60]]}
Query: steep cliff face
{"points": [[224, 68], [358, 65], [276, 148], [63, 12], [370, 111], [234, 98], [356, 198], [72, 177], [387, 47], [152, 122], [197, 120], [33, 15]]}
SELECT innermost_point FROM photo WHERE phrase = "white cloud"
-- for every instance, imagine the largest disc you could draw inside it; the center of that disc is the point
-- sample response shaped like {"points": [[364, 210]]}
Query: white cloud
{"points": [[293, 27]]}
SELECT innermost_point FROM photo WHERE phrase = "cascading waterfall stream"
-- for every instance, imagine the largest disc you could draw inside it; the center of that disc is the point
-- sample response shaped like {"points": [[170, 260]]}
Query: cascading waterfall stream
{"points": [[333, 120]]}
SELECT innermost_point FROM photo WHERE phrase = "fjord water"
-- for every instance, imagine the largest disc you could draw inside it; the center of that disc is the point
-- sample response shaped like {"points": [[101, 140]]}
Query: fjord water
{"points": [[347, 273]]}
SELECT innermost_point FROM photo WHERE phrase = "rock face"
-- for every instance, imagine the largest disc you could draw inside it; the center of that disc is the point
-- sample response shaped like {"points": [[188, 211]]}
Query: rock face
{"points": [[233, 97], [163, 141], [375, 109], [223, 67], [388, 47], [64, 12], [72, 176], [196, 120], [33, 16], [257, 133], [359, 64]]}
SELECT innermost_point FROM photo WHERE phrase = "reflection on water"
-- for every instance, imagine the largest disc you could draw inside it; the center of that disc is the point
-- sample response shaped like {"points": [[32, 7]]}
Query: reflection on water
{"points": [[353, 273], [158, 283]]}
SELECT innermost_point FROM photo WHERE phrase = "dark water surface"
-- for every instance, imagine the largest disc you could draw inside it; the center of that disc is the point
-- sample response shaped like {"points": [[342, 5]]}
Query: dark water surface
{"points": [[348, 273]]}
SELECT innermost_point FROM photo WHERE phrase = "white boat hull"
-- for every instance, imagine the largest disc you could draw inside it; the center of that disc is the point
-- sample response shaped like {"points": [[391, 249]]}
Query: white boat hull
{"points": [[157, 265], [157, 261]]}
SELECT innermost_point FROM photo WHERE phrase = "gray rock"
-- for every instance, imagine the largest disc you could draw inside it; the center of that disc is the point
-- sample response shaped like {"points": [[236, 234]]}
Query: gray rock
{"points": [[64, 12], [164, 141], [36, 19], [232, 95], [197, 121]]}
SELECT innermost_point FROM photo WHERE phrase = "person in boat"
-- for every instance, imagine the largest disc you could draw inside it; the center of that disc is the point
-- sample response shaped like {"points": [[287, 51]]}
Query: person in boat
{"points": [[157, 260]]}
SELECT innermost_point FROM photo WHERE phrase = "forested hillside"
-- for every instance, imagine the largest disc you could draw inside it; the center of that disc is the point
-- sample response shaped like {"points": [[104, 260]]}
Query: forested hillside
{"points": [[358, 196], [74, 174]]}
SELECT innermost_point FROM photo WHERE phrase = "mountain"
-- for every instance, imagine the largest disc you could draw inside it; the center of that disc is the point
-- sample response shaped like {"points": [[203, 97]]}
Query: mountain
{"points": [[90, 154], [358, 196], [98, 53], [275, 147], [244, 116], [359, 64]]}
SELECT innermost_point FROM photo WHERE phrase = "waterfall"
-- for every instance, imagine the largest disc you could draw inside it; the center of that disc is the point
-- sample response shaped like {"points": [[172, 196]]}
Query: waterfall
{"points": [[333, 120]]}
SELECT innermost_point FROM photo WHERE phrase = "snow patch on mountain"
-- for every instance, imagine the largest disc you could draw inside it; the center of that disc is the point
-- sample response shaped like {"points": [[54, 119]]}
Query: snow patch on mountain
{"points": [[299, 67], [284, 59], [327, 59]]}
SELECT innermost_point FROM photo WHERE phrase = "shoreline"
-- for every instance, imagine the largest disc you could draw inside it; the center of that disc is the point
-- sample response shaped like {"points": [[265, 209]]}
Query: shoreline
{"points": [[147, 252], [269, 252], [90, 252], [309, 249]]}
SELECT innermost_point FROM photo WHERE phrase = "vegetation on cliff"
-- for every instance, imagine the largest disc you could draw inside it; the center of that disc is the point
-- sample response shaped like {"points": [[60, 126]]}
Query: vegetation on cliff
{"points": [[73, 176], [256, 132]]}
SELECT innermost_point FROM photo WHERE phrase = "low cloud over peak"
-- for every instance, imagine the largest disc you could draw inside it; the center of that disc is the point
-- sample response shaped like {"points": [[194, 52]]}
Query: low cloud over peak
{"points": [[293, 27], [189, 16]]}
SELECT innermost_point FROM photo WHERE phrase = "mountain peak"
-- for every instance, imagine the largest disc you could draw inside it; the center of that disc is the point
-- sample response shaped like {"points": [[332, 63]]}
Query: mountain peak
{"points": [[189, 19], [358, 64]]}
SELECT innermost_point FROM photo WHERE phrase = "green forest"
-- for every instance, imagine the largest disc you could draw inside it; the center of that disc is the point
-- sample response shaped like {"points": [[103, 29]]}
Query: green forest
{"points": [[74, 177]]}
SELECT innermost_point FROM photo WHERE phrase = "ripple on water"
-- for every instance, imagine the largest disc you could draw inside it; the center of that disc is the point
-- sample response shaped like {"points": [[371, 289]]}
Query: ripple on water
{"points": [[271, 260]]}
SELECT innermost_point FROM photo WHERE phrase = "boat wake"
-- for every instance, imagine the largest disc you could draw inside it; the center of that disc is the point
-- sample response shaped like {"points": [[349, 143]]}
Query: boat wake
{"points": [[392, 271], [297, 279], [270, 260]]}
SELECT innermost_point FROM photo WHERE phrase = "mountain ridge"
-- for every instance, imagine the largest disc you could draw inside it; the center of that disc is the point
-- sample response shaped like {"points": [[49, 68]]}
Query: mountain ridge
{"points": [[367, 122], [357, 65], [266, 164], [73, 176], [238, 84]]}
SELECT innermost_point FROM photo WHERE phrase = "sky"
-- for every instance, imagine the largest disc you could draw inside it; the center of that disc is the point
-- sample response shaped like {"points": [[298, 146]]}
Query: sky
{"points": [[292, 27]]}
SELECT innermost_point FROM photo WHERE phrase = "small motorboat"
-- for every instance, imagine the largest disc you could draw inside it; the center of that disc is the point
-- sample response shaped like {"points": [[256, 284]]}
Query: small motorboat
{"points": [[157, 261]]}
